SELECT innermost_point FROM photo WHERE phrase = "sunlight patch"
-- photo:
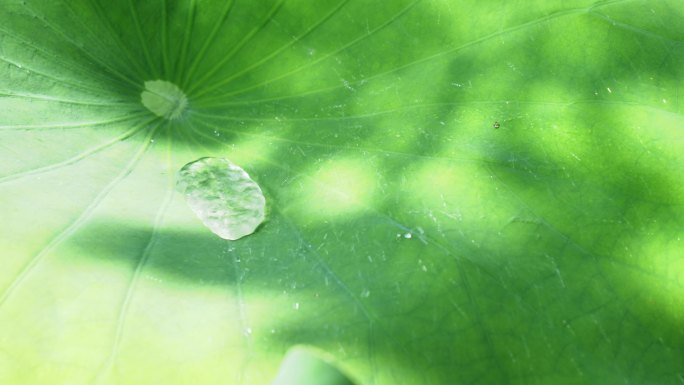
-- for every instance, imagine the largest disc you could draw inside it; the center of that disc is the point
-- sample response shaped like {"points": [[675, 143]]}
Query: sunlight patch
{"points": [[435, 180], [338, 188], [164, 99], [252, 150], [461, 195], [167, 314], [665, 286], [438, 184]]}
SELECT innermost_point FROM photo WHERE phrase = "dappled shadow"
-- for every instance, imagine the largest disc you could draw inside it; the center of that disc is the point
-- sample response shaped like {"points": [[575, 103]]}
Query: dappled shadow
{"points": [[498, 253]]}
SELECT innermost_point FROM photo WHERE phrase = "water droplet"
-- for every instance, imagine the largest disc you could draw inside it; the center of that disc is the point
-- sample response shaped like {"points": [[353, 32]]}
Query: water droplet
{"points": [[365, 293], [223, 196], [248, 332], [408, 235], [164, 99], [296, 306]]}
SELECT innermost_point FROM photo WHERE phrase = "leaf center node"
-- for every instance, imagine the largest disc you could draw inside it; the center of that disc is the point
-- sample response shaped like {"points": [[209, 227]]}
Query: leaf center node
{"points": [[164, 99]]}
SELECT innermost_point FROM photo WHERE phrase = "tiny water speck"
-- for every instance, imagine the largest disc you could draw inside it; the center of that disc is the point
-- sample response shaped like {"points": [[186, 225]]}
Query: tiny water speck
{"points": [[408, 235], [223, 196], [296, 306], [365, 293]]}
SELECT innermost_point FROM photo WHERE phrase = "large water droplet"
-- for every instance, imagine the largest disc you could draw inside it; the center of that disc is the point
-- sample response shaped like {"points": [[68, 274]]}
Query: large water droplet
{"points": [[223, 196], [164, 99]]}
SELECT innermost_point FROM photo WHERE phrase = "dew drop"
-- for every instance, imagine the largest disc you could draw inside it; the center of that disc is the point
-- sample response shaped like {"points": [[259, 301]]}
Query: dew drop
{"points": [[296, 306], [408, 235], [365, 293], [223, 196]]}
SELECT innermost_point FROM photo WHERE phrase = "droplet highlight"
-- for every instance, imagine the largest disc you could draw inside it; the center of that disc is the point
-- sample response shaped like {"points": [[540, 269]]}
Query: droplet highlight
{"points": [[164, 99], [223, 196]]}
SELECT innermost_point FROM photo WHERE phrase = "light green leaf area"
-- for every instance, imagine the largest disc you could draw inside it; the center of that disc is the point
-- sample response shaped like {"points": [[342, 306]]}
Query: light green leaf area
{"points": [[405, 235]]}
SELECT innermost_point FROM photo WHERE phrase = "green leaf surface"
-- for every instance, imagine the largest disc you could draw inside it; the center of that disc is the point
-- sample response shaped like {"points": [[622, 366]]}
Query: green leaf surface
{"points": [[406, 235]]}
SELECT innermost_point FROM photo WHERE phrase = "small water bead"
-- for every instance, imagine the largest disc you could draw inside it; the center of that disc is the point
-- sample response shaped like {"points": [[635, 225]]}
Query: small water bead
{"points": [[223, 196]]}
